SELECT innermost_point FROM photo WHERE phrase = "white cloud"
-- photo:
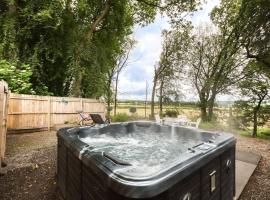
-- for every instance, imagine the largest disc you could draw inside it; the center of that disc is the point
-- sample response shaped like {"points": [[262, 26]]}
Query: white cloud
{"points": [[203, 15], [145, 54]]}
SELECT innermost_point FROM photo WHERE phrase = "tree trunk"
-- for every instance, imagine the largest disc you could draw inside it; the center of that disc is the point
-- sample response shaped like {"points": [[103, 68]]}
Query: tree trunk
{"points": [[115, 95], [109, 95], [161, 97], [203, 107], [153, 97], [211, 104], [11, 51], [98, 19], [255, 116], [255, 122]]}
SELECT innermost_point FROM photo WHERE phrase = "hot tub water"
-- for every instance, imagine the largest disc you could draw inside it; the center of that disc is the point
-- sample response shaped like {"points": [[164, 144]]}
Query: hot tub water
{"points": [[147, 153]]}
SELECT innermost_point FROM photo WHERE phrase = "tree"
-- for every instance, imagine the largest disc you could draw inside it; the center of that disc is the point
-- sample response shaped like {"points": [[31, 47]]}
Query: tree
{"points": [[168, 66], [251, 21], [122, 59], [71, 45], [212, 62], [256, 88], [53, 38], [169, 90]]}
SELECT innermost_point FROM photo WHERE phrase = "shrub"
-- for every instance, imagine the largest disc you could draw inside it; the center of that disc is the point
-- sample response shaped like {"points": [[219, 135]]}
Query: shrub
{"points": [[18, 78], [121, 117], [132, 110], [171, 113], [244, 114], [109, 109]]}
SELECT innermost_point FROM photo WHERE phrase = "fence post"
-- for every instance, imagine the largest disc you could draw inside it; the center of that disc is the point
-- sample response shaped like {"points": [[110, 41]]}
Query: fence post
{"points": [[4, 95], [49, 113]]}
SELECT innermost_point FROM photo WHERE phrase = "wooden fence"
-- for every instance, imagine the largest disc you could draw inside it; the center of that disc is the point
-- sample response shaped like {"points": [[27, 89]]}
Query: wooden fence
{"points": [[39, 112], [3, 119]]}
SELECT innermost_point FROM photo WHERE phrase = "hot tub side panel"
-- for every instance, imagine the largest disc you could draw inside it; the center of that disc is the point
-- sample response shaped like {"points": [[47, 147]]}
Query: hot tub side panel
{"points": [[69, 172], [227, 163], [61, 166]]}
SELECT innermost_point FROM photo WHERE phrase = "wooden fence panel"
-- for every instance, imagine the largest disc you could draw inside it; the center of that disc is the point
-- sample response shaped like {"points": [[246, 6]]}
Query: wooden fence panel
{"points": [[3, 118], [27, 111], [32, 111]]}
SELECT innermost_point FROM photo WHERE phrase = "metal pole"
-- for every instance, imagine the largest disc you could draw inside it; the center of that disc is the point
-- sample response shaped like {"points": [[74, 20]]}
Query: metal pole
{"points": [[145, 103]]}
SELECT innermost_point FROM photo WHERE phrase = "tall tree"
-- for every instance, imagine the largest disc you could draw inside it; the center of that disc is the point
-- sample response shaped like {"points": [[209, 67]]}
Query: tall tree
{"points": [[256, 88], [121, 63], [71, 45], [251, 21], [169, 90], [213, 63], [168, 65]]}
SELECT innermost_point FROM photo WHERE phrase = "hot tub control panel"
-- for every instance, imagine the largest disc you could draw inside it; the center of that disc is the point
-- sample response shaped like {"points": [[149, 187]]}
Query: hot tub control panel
{"points": [[204, 146]]}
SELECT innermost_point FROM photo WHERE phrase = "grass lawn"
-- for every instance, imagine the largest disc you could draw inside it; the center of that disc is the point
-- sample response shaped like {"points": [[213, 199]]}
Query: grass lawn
{"points": [[263, 133]]}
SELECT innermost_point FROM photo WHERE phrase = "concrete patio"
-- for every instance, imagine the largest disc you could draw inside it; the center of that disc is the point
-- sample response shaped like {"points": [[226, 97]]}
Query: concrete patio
{"points": [[246, 163]]}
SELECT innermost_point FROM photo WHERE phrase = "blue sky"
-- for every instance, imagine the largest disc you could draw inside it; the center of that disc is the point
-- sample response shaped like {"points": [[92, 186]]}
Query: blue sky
{"points": [[146, 53]]}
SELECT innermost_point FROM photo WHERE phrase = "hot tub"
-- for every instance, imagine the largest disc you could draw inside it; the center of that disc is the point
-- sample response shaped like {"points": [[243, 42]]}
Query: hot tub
{"points": [[144, 160]]}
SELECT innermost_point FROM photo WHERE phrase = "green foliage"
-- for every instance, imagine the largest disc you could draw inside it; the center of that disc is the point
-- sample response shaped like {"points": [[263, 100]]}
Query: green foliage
{"points": [[171, 113], [18, 79], [121, 117], [213, 125], [71, 46], [132, 110], [51, 40], [255, 87], [209, 60], [244, 114], [263, 133], [109, 109], [249, 22]]}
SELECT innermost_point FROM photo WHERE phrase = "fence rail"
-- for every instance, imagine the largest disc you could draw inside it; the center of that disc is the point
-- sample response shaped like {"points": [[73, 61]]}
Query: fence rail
{"points": [[39, 112]]}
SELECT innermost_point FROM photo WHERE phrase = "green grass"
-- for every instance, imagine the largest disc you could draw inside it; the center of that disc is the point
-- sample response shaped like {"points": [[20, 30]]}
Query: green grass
{"points": [[213, 126], [123, 117], [156, 107], [263, 133]]}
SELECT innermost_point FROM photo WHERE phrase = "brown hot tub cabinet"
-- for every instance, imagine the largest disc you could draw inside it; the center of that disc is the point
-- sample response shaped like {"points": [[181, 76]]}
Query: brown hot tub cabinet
{"points": [[144, 160]]}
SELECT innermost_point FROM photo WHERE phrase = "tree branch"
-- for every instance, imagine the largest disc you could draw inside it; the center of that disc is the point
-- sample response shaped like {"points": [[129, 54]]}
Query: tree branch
{"points": [[99, 18], [250, 55], [157, 5]]}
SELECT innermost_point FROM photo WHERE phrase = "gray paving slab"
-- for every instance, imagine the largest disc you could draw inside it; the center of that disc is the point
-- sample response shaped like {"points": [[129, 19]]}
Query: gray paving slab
{"points": [[248, 157], [246, 164]]}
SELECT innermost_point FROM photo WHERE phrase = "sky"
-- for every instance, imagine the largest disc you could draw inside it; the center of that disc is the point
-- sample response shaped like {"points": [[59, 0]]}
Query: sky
{"points": [[132, 81]]}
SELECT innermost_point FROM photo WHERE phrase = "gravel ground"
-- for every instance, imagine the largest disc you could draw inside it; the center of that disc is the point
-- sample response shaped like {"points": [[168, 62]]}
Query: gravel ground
{"points": [[31, 172], [32, 168], [258, 187]]}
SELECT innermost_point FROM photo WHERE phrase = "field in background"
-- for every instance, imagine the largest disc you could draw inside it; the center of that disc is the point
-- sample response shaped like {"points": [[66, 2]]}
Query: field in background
{"points": [[191, 111]]}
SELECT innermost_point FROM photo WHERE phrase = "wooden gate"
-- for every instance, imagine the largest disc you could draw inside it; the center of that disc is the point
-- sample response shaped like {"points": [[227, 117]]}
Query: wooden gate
{"points": [[3, 118]]}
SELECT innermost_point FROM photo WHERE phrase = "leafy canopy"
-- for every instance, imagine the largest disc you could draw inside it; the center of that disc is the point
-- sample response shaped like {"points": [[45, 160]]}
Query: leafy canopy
{"points": [[18, 79]]}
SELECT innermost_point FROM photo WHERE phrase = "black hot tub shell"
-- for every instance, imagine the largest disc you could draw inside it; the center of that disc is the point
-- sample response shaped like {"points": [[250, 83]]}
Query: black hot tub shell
{"points": [[144, 160]]}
